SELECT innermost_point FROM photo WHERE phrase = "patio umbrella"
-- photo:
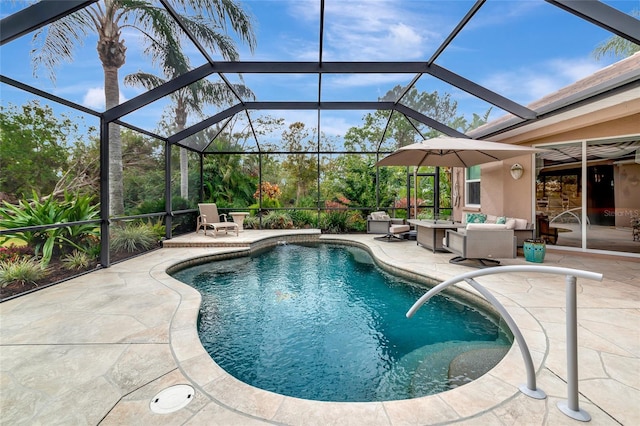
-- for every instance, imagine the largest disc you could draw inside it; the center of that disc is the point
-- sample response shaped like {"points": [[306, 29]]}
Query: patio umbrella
{"points": [[453, 152]]}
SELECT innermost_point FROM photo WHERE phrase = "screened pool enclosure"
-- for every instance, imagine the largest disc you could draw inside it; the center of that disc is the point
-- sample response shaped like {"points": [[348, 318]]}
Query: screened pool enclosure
{"points": [[270, 107]]}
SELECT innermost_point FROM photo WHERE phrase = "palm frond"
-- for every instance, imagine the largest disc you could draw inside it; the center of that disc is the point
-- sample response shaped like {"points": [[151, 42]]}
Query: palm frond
{"points": [[54, 43]]}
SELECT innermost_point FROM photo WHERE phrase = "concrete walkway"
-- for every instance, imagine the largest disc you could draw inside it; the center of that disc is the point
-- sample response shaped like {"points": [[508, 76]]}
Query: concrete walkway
{"points": [[98, 348]]}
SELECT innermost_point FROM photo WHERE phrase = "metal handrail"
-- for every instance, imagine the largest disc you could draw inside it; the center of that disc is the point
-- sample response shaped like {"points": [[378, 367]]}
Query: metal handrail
{"points": [[570, 407]]}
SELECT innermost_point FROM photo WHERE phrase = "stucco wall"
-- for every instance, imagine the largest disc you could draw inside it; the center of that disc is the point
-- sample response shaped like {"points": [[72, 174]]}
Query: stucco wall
{"points": [[627, 193]]}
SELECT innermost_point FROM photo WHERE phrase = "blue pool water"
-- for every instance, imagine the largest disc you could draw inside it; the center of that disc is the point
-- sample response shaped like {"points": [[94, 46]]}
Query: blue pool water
{"points": [[322, 322]]}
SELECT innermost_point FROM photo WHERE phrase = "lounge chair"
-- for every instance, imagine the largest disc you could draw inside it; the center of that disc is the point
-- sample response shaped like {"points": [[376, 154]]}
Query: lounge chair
{"points": [[209, 218]]}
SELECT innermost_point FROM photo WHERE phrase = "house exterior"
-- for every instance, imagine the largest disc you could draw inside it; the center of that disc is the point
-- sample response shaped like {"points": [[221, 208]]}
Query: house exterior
{"points": [[588, 183]]}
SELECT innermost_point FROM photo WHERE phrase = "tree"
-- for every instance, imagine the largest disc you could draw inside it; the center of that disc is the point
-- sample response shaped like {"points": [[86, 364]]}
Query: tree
{"points": [[159, 31], [37, 142], [301, 168], [192, 98], [354, 177], [617, 46]]}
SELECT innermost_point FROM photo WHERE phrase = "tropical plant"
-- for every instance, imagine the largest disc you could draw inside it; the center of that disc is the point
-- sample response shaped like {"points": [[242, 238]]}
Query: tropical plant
{"points": [[76, 260], [30, 213], [24, 270], [251, 222], [133, 237], [191, 98], [276, 219], [12, 252], [303, 218], [336, 221], [161, 33], [617, 46]]}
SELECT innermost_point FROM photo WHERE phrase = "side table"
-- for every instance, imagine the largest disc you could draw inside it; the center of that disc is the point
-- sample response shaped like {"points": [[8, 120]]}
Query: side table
{"points": [[238, 217]]}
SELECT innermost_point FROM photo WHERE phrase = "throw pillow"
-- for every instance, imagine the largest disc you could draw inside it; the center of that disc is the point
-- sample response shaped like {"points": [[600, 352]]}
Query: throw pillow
{"points": [[511, 223], [521, 223], [501, 220], [379, 216], [476, 217]]}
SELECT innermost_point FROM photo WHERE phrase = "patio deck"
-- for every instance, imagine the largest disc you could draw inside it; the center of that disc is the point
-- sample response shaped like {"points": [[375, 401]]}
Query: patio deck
{"points": [[96, 349]]}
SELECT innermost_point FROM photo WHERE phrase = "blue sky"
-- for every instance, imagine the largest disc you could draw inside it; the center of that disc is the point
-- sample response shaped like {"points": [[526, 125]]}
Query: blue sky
{"points": [[520, 49]]}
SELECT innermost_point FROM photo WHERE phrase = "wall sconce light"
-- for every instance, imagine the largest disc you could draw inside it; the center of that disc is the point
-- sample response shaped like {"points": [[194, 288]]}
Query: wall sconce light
{"points": [[516, 171]]}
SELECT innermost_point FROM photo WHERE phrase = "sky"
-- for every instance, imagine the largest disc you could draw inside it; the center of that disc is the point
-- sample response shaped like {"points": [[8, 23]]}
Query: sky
{"points": [[522, 50]]}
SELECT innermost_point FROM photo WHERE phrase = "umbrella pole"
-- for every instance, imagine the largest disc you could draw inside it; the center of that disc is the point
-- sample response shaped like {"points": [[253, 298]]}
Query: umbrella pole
{"points": [[415, 192]]}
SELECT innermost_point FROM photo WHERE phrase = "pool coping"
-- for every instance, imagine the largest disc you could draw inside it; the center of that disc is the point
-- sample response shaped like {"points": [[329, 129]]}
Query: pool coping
{"points": [[483, 394], [98, 348]]}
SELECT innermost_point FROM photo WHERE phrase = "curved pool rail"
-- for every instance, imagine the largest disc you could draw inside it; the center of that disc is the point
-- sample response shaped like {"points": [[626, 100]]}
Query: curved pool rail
{"points": [[570, 407]]}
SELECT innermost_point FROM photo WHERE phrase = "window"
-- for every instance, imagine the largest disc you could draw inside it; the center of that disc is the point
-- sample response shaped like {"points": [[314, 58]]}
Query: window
{"points": [[472, 186]]}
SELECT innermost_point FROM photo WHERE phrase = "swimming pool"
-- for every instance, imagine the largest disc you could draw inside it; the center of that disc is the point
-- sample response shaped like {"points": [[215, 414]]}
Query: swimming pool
{"points": [[322, 322]]}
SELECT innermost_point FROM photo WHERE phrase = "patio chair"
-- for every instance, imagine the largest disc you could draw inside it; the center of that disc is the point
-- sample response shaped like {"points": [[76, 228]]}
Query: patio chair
{"points": [[482, 243], [395, 233], [209, 218], [380, 222]]}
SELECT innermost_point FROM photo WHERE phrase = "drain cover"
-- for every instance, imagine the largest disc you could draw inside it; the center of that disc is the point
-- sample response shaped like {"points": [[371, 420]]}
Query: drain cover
{"points": [[172, 399]]}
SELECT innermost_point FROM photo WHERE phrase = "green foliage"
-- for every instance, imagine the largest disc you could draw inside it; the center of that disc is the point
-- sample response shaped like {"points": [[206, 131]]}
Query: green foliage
{"points": [[179, 223], [336, 221], [277, 220], [72, 208], [355, 222], [13, 252], [229, 181], [132, 237], [303, 219], [158, 228], [24, 270], [251, 222], [616, 46], [76, 260], [34, 148]]}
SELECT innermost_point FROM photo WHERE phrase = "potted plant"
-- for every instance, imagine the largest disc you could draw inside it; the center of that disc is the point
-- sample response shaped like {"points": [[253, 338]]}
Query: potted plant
{"points": [[534, 250]]}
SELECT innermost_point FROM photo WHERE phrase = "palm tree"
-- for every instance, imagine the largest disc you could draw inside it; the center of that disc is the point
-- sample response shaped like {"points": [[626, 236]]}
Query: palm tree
{"points": [[159, 31], [189, 99], [617, 46]]}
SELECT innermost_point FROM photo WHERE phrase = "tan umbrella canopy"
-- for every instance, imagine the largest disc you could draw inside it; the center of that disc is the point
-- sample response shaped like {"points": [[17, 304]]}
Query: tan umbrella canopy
{"points": [[453, 152]]}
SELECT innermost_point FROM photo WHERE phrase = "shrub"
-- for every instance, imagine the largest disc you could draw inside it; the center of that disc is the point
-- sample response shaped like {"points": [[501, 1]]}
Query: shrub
{"points": [[25, 270], [303, 218], [76, 260], [251, 222], [13, 252], [133, 237], [277, 220], [335, 222], [356, 222], [73, 208]]}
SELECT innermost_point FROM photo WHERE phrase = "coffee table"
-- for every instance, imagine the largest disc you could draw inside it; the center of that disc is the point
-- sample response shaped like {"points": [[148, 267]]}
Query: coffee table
{"points": [[429, 233]]}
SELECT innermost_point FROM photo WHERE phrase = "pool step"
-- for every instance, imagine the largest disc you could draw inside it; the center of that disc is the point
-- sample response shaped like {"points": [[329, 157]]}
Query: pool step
{"points": [[439, 367]]}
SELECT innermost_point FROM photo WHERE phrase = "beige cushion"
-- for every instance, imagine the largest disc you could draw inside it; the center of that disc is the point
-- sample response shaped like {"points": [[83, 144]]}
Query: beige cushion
{"points": [[521, 223], [511, 223], [491, 219], [485, 226], [396, 229], [379, 216]]}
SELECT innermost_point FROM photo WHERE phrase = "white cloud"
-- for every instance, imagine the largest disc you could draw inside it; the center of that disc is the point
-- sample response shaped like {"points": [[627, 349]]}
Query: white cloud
{"points": [[94, 98], [529, 84], [369, 30]]}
